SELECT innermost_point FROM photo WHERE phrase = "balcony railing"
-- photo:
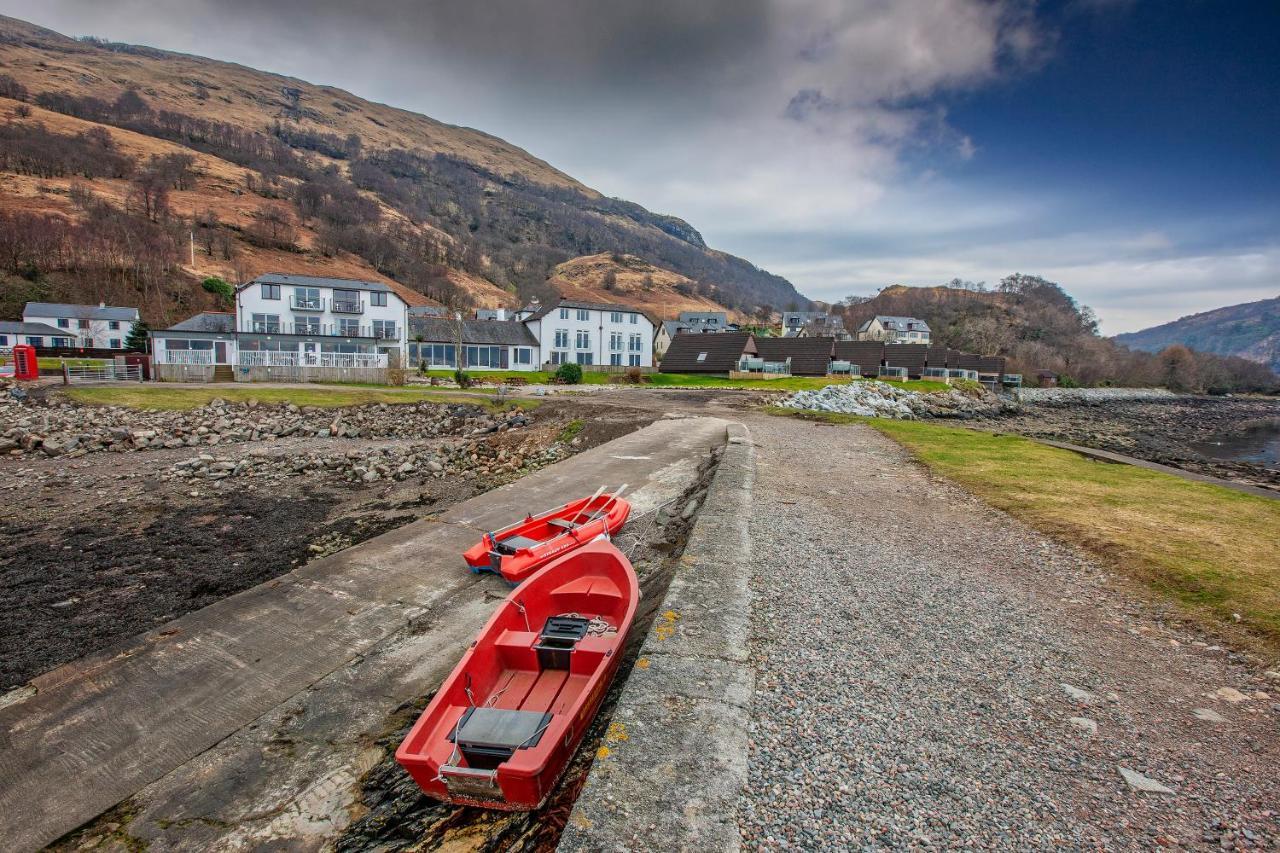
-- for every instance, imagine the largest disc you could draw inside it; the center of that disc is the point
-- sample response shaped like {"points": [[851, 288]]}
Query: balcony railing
{"points": [[185, 356], [267, 358], [298, 303], [327, 330], [346, 306]]}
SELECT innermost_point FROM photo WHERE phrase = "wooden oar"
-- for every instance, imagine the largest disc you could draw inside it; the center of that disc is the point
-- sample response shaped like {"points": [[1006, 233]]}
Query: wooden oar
{"points": [[590, 500]]}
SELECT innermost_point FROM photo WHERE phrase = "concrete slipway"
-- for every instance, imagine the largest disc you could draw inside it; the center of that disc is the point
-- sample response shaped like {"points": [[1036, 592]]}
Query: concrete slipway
{"points": [[249, 722]]}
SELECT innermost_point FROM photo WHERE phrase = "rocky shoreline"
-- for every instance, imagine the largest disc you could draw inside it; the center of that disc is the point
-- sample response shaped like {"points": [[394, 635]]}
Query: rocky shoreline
{"points": [[1164, 429]]}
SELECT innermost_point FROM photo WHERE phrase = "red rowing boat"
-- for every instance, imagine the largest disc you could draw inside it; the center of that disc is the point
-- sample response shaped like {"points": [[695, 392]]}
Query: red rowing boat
{"points": [[506, 721], [516, 552]]}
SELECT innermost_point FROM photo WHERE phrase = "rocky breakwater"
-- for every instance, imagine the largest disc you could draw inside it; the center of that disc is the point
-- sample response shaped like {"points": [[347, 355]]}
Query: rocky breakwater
{"points": [[882, 400], [56, 427]]}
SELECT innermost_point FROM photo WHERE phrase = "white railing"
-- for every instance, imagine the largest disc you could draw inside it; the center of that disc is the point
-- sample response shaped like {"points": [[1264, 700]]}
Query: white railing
{"points": [[302, 304], [185, 356], [269, 358], [109, 372]]}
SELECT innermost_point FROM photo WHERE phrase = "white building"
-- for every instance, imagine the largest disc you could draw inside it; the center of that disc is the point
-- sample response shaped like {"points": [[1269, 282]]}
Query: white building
{"points": [[294, 322], [98, 326], [590, 333], [894, 330], [485, 344], [34, 334]]}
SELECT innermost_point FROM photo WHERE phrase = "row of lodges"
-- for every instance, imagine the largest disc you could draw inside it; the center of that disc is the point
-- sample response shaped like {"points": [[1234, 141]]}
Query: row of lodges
{"points": [[733, 353]]}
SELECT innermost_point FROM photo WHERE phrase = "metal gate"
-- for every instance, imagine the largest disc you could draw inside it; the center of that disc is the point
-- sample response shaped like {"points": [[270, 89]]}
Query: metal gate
{"points": [[109, 372]]}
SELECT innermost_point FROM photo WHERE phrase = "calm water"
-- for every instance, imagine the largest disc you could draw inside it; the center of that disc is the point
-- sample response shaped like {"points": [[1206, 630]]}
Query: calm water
{"points": [[1259, 443]]}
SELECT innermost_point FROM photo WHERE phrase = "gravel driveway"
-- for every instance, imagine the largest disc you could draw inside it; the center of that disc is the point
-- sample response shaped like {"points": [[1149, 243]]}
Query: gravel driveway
{"points": [[931, 673]]}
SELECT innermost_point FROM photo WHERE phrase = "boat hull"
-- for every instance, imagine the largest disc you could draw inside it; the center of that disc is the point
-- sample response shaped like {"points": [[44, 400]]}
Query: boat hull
{"points": [[506, 722], [517, 551]]}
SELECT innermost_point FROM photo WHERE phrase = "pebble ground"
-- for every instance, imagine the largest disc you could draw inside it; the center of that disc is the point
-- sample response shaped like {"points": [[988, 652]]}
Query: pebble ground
{"points": [[913, 652]]}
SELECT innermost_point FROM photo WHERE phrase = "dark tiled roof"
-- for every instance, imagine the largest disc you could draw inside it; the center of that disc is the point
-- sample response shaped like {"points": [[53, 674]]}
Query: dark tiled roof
{"points": [[496, 332], [591, 306], [866, 354], [937, 356], [79, 312], [206, 321], [809, 356], [723, 350], [11, 328], [910, 356]]}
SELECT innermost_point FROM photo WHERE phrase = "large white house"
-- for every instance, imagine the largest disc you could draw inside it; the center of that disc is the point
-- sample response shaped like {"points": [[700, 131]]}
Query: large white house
{"points": [[590, 333], [894, 330], [98, 326], [296, 321]]}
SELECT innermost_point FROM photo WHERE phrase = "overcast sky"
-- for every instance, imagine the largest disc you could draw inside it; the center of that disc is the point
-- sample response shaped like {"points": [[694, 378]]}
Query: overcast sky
{"points": [[1123, 148]]}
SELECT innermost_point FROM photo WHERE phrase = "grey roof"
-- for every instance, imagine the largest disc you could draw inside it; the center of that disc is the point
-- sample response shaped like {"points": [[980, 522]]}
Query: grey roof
{"points": [[206, 321], [317, 281], [497, 332], [79, 312], [717, 317], [8, 327], [591, 306], [899, 324]]}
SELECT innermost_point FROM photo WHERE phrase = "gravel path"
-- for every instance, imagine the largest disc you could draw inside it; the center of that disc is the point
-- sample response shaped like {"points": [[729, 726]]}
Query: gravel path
{"points": [[920, 658]]}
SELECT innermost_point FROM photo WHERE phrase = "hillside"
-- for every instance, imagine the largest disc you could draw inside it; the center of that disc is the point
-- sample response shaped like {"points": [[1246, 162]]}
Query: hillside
{"points": [[1038, 326], [1251, 331], [662, 294], [144, 148]]}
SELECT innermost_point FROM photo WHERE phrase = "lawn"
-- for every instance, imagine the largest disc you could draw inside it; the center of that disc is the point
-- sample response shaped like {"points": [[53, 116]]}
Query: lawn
{"points": [[53, 365], [1210, 549], [698, 380], [161, 396]]}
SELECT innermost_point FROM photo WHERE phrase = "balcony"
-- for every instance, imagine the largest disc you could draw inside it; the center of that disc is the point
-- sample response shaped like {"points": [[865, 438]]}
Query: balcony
{"points": [[346, 306], [298, 303], [324, 330]]}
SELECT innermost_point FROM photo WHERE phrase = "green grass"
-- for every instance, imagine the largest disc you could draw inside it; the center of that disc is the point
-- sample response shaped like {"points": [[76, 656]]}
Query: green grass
{"points": [[1210, 549], [698, 380], [160, 396], [55, 364], [570, 430]]}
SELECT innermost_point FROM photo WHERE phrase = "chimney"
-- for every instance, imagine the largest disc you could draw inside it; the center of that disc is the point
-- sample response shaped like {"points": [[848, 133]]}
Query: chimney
{"points": [[102, 305]]}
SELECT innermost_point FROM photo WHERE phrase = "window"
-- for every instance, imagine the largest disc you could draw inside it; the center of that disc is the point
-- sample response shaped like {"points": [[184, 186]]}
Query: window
{"points": [[635, 318], [349, 326], [267, 323], [634, 359], [82, 324], [64, 323], [523, 355], [583, 340], [584, 315], [483, 356], [346, 301], [564, 313], [114, 325], [35, 341], [385, 329], [636, 344], [583, 358], [270, 291], [378, 299], [702, 356], [439, 355], [114, 343], [615, 316], [60, 342], [307, 298], [562, 338], [615, 341], [307, 326], [615, 359], [4, 340], [558, 357]]}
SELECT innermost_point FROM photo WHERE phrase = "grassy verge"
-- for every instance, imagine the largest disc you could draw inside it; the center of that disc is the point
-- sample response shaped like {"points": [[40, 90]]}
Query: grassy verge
{"points": [[697, 380], [160, 396], [51, 364], [1211, 550]]}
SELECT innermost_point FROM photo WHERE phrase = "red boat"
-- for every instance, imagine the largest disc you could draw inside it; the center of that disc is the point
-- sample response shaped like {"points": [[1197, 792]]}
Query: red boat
{"points": [[516, 552], [506, 721]]}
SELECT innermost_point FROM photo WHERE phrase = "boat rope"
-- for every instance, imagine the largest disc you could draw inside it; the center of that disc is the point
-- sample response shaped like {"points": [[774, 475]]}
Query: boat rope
{"points": [[596, 625], [523, 613]]}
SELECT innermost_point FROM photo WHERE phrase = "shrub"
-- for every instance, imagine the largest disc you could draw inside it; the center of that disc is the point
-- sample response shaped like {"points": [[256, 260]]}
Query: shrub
{"points": [[219, 288], [463, 380], [634, 376], [569, 373]]}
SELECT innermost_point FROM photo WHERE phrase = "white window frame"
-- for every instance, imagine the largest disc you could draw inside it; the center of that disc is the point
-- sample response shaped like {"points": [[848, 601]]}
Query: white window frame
{"points": [[267, 324], [584, 315], [633, 360], [522, 355], [562, 338], [564, 313], [615, 341], [635, 318], [636, 344], [582, 340], [270, 291], [615, 316]]}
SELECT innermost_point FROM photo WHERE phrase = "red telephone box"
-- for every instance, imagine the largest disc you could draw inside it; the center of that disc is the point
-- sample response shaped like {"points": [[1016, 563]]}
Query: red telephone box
{"points": [[24, 362]]}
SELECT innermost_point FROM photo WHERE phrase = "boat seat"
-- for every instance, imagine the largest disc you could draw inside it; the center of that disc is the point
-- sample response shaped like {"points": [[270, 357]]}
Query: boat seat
{"points": [[489, 736], [512, 544]]}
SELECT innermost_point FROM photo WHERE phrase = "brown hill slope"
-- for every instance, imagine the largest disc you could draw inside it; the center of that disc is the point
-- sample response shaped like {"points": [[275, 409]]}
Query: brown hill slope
{"points": [[660, 293], [290, 176]]}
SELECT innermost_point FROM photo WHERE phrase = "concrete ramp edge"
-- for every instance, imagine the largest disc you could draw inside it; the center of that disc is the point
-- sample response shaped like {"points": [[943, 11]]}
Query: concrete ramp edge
{"points": [[674, 760]]}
